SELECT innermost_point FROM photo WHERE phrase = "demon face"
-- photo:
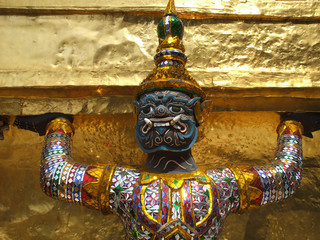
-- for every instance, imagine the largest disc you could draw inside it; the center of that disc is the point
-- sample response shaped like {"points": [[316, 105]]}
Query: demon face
{"points": [[166, 121]]}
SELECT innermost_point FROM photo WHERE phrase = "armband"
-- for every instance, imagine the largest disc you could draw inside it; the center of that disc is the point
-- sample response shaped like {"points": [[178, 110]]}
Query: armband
{"points": [[290, 127], [60, 124]]}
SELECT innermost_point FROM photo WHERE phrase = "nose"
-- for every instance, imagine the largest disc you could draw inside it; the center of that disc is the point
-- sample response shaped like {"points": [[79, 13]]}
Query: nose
{"points": [[161, 110]]}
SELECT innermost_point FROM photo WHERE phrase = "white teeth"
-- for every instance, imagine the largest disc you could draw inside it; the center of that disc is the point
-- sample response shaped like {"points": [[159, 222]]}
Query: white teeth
{"points": [[161, 124], [154, 123], [175, 120], [148, 122]]}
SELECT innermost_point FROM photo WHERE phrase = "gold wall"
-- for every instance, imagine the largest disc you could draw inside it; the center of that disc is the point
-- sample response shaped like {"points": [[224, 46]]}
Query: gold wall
{"points": [[254, 58]]}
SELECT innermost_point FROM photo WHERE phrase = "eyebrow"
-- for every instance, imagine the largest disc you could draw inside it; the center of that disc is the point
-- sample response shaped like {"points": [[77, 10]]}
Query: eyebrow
{"points": [[175, 98], [166, 98]]}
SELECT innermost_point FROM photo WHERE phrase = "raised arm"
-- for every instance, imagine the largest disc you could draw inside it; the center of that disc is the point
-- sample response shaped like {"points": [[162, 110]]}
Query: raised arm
{"points": [[63, 179], [267, 184], [245, 187]]}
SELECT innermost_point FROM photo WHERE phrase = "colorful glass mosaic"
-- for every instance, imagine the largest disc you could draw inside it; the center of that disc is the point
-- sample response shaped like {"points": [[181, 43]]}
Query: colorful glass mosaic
{"points": [[169, 206]]}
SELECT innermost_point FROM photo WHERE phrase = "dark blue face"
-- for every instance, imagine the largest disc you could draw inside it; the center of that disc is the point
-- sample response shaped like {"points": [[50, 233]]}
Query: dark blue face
{"points": [[166, 121]]}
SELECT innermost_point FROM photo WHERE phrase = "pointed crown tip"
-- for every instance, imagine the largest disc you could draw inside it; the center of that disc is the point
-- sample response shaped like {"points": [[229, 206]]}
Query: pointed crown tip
{"points": [[171, 8]]}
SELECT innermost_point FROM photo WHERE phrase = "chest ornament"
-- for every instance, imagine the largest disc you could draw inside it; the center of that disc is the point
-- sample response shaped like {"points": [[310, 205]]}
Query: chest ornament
{"points": [[176, 205]]}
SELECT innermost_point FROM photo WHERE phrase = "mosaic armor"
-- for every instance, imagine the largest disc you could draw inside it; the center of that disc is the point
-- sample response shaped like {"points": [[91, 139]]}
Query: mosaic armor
{"points": [[169, 206]]}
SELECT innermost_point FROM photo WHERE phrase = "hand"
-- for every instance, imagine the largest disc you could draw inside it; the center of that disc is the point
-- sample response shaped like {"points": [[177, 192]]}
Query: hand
{"points": [[309, 120], [3, 126], [39, 123]]}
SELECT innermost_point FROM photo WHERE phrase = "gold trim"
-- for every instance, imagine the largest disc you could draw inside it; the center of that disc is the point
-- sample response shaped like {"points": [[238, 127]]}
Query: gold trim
{"points": [[169, 57], [94, 187], [75, 92], [182, 204], [171, 43], [60, 123], [293, 127], [104, 189], [43, 11], [247, 191], [210, 208], [242, 189], [161, 78], [170, 205], [172, 178], [160, 201], [143, 190]]}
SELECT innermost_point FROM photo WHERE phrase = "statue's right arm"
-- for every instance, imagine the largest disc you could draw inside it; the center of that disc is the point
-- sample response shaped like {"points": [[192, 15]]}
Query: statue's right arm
{"points": [[63, 179]]}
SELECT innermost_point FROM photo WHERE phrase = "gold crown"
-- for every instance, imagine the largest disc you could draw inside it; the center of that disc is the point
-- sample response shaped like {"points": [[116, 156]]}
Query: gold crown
{"points": [[170, 60]]}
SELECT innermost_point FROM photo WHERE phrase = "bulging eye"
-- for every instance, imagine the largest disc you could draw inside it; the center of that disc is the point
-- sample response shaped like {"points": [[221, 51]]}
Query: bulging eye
{"points": [[147, 110], [176, 109]]}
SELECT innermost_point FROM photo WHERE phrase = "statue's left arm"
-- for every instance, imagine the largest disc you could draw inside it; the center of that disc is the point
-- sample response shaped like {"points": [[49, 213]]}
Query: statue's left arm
{"points": [[278, 180]]}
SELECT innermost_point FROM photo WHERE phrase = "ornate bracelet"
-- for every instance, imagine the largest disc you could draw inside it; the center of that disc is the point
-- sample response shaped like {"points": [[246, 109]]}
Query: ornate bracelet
{"points": [[60, 123], [291, 126]]}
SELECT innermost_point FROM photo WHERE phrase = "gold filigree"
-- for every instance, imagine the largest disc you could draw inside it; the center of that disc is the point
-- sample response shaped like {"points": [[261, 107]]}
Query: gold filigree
{"points": [[292, 126], [174, 180], [60, 123], [105, 188], [248, 193], [170, 43], [93, 187], [171, 78]]}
